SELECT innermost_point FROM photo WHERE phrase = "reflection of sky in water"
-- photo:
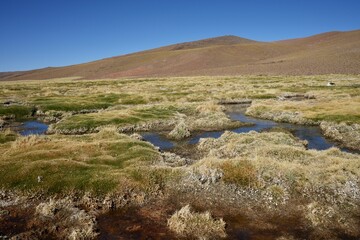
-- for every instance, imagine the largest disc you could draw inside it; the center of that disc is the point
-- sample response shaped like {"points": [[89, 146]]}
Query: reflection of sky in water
{"points": [[158, 140], [310, 133], [33, 127]]}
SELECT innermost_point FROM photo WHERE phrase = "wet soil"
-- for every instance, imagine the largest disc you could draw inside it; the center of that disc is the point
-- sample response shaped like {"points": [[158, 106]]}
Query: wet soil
{"points": [[14, 220], [146, 222], [149, 222]]}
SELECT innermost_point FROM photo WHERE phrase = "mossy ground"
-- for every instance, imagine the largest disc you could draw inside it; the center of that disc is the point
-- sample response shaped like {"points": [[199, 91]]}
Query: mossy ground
{"points": [[98, 163]]}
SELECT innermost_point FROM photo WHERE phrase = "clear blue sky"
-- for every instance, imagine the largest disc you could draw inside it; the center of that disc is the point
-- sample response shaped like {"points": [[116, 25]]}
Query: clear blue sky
{"points": [[41, 33]]}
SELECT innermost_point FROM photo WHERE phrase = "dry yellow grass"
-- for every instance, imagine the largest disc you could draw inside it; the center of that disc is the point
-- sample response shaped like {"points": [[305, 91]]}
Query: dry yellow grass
{"points": [[261, 160], [202, 226], [328, 108]]}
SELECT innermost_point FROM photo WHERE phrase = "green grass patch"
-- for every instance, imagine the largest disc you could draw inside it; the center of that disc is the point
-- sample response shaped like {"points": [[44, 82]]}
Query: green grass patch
{"points": [[118, 118], [95, 163], [78, 103], [262, 96], [128, 99], [19, 111], [338, 118]]}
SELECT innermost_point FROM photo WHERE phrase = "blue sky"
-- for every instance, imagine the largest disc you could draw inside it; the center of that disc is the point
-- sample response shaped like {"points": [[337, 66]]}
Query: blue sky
{"points": [[42, 33]]}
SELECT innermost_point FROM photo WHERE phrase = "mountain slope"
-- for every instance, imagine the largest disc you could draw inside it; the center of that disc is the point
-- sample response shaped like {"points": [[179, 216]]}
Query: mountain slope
{"points": [[333, 52]]}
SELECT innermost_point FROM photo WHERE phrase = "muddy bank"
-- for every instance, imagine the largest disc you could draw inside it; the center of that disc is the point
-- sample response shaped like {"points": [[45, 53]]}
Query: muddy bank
{"points": [[243, 221], [134, 222]]}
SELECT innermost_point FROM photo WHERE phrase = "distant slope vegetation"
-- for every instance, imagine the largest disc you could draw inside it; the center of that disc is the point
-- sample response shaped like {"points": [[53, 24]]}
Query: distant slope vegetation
{"points": [[332, 52]]}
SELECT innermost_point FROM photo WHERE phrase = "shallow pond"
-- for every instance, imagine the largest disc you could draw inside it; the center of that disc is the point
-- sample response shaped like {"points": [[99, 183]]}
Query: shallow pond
{"points": [[32, 127], [312, 134]]}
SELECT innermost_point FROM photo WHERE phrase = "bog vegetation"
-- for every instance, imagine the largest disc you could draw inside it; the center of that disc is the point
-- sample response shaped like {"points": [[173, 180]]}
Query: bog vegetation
{"points": [[90, 152]]}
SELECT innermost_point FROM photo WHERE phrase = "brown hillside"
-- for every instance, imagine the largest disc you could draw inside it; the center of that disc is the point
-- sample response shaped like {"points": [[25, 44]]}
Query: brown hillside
{"points": [[333, 52]]}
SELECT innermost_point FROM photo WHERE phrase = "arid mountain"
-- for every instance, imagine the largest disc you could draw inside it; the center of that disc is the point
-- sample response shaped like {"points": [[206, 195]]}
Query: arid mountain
{"points": [[333, 52]]}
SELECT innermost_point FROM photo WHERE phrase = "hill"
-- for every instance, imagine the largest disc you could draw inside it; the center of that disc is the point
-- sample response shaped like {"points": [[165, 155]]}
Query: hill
{"points": [[332, 52]]}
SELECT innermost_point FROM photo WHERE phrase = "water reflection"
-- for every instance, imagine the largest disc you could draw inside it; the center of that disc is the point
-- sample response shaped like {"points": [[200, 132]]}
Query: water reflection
{"points": [[33, 127], [312, 134]]}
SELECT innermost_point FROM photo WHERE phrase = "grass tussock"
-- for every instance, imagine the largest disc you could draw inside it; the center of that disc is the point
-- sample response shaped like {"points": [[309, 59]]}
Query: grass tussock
{"points": [[192, 225], [210, 116], [241, 173]]}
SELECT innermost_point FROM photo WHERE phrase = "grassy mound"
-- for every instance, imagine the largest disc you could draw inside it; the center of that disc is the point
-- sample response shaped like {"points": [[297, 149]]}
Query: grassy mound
{"points": [[98, 163]]}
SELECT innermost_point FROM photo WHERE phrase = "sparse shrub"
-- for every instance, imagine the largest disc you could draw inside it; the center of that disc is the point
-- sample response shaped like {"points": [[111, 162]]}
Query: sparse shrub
{"points": [[196, 225]]}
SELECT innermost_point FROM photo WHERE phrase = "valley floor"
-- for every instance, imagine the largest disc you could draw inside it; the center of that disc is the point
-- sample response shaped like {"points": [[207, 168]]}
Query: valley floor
{"points": [[93, 176]]}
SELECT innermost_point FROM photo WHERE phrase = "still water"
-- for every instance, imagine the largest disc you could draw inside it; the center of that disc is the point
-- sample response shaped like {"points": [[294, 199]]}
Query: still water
{"points": [[312, 134]]}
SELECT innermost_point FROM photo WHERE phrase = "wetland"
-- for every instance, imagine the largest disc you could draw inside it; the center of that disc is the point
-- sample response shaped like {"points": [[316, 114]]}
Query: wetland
{"points": [[138, 158]]}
